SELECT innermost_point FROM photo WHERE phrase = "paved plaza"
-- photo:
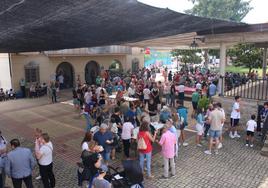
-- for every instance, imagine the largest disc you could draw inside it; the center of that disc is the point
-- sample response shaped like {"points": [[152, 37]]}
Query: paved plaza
{"points": [[234, 166]]}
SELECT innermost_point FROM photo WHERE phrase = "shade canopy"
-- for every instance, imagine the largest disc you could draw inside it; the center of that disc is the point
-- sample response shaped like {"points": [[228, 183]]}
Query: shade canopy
{"points": [[39, 25]]}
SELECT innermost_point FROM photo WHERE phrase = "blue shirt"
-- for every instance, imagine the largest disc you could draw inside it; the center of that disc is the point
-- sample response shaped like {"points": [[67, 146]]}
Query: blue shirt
{"points": [[183, 112], [101, 139], [212, 89], [200, 119], [20, 163]]}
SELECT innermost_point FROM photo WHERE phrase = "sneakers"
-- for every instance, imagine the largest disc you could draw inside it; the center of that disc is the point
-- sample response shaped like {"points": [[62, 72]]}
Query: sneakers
{"points": [[251, 145], [199, 145], [216, 152], [207, 152], [185, 144], [237, 135], [163, 177], [38, 177], [220, 145], [246, 145], [231, 135]]}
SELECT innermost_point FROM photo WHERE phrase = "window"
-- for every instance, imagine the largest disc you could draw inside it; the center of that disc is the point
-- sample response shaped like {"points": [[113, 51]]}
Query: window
{"points": [[116, 66], [32, 72]]}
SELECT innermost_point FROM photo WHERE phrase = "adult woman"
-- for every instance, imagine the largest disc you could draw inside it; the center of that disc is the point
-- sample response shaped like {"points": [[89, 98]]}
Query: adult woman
{"points": [[127, 131], [43, 152], [102, 97], [146, 153], [152, 110], [90, 145]]}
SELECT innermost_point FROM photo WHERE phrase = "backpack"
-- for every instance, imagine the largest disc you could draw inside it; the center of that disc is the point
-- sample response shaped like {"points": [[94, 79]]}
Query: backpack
{"points": [[141, 144]]}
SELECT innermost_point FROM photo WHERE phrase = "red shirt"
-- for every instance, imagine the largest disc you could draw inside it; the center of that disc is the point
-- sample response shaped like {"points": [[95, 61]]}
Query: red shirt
{"points": [[144, 135]]}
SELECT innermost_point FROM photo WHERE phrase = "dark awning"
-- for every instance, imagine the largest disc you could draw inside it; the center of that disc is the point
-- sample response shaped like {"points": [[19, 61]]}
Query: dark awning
{"points": [[38, 25]]}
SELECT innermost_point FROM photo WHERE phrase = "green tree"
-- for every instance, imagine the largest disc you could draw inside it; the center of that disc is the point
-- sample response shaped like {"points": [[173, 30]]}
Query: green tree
{"points": [[233, 10], [246, 55], [186, 56]]}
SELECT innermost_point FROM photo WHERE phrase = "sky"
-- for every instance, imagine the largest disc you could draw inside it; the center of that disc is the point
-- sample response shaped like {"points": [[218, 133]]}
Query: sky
{"points": [[257, 15]]}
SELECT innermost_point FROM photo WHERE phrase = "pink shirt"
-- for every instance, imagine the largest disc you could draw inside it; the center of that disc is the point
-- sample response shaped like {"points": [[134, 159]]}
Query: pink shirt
{"points": [[168, 141]]}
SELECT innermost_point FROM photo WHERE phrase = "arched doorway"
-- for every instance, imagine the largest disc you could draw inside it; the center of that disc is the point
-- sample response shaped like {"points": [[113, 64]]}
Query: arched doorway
{"points": [[135, 65], [67, 71], [92, 70]]}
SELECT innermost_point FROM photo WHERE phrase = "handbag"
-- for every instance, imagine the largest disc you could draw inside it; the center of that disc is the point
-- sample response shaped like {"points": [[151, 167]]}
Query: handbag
{"points": [[141, 144]]}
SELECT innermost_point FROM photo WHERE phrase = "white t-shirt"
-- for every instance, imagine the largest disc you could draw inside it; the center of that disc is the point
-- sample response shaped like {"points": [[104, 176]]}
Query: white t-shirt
{"points": [[251, 125], [84, 146], [131, 91], [61, 79], [146, 93], [46, 152], [88, 96], [126, 130], [234, 113], [198, 86], [181, 88]]}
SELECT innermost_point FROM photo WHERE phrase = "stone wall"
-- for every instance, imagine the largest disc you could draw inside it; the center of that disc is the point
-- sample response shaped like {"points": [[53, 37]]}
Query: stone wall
{"points": [[248, 107]]}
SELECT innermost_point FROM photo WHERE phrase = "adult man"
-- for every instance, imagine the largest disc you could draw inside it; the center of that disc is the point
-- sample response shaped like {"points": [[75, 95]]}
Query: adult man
{"points": [[215, 119], [61, 81], [22, 87], [195, 99], [235, 116], [168, 143], [19, 165], [3, 153], [131, 91], [43, 152], [212, 89], [104, 138]]}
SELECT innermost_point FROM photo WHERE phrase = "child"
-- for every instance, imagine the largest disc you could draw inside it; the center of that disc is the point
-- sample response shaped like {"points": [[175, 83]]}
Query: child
{"points": [[251, 127], [199, 126]]}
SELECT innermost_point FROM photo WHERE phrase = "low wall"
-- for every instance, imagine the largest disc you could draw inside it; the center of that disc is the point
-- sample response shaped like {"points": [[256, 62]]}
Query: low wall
{"points": [[248, 107]]}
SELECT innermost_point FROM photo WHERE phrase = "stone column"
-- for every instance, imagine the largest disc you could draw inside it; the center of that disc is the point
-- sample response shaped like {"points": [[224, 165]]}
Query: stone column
{"points": [[222, 67], [264, 63]]}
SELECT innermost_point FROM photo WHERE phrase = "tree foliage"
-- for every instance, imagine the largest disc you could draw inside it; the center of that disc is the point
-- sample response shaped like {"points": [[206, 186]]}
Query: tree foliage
{"points": [[187, 56], [233, 10], [246, 55]]}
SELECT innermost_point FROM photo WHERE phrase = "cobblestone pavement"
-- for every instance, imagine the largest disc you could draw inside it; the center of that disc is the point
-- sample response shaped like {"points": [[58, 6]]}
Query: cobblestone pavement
{"points": [[234, 166]]}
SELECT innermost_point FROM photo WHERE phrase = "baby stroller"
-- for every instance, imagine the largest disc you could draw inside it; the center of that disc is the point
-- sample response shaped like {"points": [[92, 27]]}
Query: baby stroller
{"points": [[130, 177]]}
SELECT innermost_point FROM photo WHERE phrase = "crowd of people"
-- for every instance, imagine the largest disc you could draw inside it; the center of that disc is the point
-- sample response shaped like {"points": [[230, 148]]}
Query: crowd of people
{"points": [[114, 121], [134, 116]]}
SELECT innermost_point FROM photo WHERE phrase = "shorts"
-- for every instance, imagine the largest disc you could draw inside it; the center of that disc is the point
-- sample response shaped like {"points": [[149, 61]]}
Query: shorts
{"points": [[234, 122], [214, 133], [250, 133], [194, 105], [182, 126], [200, 129]]}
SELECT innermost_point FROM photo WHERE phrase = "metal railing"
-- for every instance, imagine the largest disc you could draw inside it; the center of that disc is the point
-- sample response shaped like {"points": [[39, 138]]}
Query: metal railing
{"points": [[250, 89]]}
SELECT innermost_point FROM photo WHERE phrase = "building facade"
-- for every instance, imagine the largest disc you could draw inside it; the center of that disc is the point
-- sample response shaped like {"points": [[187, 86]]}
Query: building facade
{"points": [[85, 63]]}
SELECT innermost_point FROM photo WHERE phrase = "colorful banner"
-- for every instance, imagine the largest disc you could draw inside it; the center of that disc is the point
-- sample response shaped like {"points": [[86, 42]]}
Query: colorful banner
{"points": [[157, 58]]}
